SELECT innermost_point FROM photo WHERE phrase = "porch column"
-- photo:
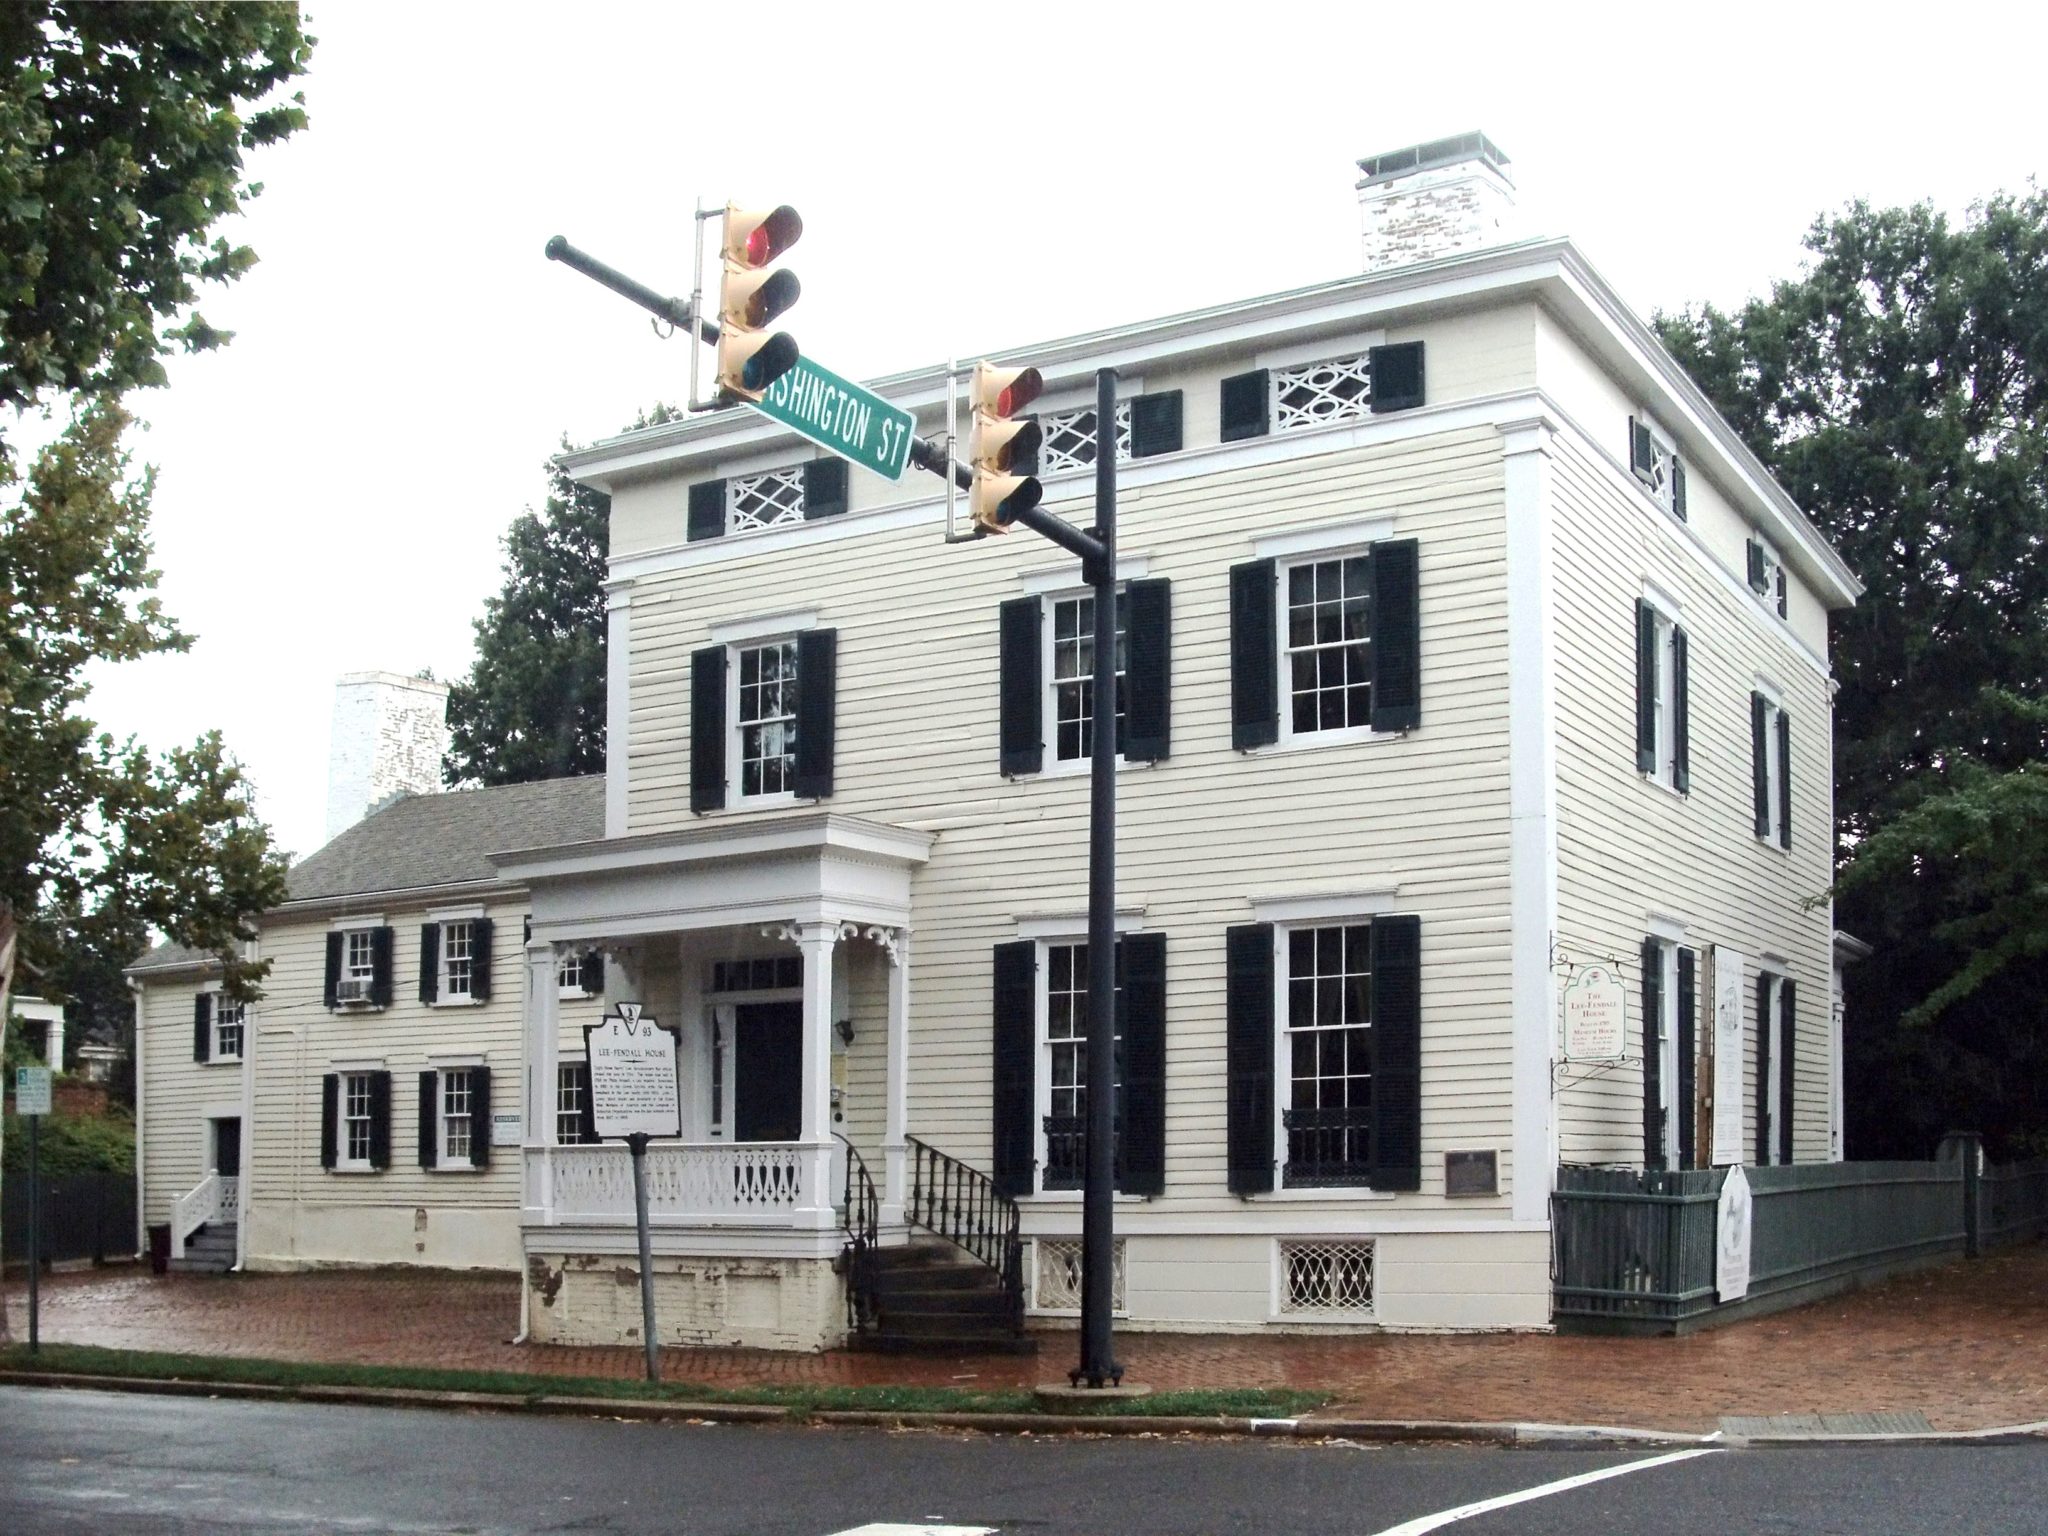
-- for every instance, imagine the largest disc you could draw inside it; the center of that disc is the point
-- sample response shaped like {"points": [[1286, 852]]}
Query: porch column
{"points": [[895, 1130], [816, 941], [542, 1029]]}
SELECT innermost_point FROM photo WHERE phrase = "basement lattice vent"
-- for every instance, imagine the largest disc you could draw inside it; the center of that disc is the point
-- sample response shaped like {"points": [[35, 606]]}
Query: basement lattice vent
{"points": [[1057, 1283], [1325, 1277]]}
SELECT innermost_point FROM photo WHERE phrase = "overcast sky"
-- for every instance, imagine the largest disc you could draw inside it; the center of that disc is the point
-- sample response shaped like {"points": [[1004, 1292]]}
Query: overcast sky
{"points": [[333, 486]]}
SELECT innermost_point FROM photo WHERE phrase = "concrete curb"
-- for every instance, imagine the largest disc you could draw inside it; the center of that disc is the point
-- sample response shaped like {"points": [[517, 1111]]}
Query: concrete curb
{"points": [[1368, 1431]]}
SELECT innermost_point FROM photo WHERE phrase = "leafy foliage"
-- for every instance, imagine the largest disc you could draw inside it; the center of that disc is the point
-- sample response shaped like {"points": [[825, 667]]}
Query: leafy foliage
{"points": [[74, 1144], [1897, 389], [122, 129]]}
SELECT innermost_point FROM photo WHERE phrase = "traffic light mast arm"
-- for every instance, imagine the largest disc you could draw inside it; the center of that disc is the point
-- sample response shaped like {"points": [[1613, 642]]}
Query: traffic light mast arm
{"points": [[675, 311]]}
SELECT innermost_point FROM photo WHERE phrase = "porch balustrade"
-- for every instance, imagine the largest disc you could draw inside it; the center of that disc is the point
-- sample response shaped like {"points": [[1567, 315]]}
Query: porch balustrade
{"points": [[693, 1184]]}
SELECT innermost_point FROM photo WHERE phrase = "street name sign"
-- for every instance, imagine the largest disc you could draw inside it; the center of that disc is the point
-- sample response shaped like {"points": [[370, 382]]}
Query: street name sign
{"points": [[1594, 1008], [31, 1090], [632, 1075], [857, 424]]}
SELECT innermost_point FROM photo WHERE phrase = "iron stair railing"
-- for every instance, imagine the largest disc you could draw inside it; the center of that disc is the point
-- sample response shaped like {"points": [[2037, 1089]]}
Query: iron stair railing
{"points": [[962, 1204], [860, 1213]]}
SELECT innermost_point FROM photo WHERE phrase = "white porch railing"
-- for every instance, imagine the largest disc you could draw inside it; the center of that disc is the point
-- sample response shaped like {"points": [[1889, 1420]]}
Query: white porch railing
{"points": [[711, 1184], [193, 1210], [230, 1197]]}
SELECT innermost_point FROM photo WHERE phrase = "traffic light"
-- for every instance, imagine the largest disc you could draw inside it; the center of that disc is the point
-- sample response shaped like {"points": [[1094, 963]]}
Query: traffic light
{"points": [[750, 358], [1000, 444]]}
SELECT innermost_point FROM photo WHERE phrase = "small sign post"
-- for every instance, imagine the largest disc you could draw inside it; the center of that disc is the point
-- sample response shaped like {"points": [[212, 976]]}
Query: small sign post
{"points": [[634, 1095], [32, 1099]]}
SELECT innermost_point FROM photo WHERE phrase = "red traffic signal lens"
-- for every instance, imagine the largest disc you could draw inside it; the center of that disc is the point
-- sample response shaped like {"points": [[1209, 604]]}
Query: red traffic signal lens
{"points": [[773, 235], [772, 298], [1020, 392], [776, 357]]}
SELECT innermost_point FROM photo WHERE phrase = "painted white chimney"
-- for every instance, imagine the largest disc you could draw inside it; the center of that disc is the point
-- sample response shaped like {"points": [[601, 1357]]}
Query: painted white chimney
{"points": [[1435, 199], [390, 734]]}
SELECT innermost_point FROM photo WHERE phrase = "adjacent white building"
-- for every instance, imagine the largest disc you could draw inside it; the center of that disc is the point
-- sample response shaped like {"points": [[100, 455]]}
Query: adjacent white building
{"points": [[1465, 649]]}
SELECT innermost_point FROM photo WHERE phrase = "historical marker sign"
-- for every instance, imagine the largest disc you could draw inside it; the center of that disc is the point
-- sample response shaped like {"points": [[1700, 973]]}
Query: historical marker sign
{"points": [[1594, 1010], [1728, 992], [31, 1090], [1732, 1222], [633, 1088], [852, 422]]}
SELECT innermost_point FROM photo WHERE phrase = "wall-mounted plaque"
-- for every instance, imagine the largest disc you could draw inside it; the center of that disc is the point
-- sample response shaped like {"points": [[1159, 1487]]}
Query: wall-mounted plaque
{"points": [[1472, 1173], [1594, 1004]]}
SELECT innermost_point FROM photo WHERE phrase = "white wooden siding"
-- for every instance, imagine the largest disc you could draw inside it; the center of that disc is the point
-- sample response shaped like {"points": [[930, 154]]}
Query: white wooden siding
{"points": [[180, 1095]]}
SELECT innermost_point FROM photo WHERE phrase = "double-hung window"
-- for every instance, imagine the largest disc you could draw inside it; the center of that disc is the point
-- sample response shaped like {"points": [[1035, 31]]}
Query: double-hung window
{"points": [[357, 1118], [1326, 1056], [358, 965], [1070, 676], [1776, 1076], [455, 1117], [1654, 461], [572, 1098], [569, 976], [458, 954], [1767, 573], [1663, 687], [764, 718], [457, 1103], [1770, 751], [230, 1019], [1326, 645], [1670, 1052], [1065, 1062]]}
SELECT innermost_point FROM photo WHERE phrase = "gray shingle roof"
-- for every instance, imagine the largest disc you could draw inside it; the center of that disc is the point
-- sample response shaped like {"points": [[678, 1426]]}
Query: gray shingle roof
{"points": [[171, 957], [424, 840]]}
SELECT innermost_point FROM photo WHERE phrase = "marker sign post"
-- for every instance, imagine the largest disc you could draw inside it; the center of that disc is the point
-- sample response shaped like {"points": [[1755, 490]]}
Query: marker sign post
{"points": [[634, 1094], [32, 1099]]}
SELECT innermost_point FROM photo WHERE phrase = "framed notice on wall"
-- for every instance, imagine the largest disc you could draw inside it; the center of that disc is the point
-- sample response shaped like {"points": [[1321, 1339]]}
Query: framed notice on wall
{"points": [[1594, 1003], [633, 1086], [1728, 995]]}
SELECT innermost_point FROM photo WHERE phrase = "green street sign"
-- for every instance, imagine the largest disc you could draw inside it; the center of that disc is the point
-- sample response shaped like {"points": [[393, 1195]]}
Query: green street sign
{"points": [[852, 422]]}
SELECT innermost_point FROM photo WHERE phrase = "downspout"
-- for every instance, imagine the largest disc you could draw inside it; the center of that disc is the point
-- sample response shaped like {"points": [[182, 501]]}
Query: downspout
{"points": [[141, 1125]]}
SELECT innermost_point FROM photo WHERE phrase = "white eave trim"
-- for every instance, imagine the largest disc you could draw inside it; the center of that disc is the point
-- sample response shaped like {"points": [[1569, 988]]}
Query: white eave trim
{"points": [[725, 839]]}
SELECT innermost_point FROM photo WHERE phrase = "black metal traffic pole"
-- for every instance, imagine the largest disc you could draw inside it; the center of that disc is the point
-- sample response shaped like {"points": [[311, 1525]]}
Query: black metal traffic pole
{"points": [[637, 1145], [35, 1237], [1098, 1208]]}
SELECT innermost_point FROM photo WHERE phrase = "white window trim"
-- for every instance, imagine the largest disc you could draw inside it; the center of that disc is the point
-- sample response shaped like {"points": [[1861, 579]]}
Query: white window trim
{"points": [[1351, 537], [214, 1053], [1666, 499], [1774, 777], [1289, 739], [767, 626], [1066, 580], [1320, 349], [1774, 1024], [1041, 1057], [347, 928], [568, 993], [733, 725], [1362, 903], [443, 1161], [343, 1163], [1072, 926], [1053, 765], [356, 920], [444, 995], [1276, 1297], [1667, 1034]]}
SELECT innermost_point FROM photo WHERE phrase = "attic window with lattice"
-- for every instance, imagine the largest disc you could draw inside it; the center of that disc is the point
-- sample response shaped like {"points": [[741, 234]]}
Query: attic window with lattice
{"points": [[765, 500], [1069, 441]]}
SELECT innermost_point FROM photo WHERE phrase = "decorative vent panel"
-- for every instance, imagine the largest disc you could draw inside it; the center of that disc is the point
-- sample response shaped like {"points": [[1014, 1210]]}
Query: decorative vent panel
{"points": [[1337, 390], [763, 501], [1070, 439], [1058, 1285], [1325, 1277]]}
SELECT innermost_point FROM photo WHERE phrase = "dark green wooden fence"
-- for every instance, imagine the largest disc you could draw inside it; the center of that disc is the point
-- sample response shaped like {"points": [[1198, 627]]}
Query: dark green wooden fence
{"points": [[2012, 1203], [85, 1216]]}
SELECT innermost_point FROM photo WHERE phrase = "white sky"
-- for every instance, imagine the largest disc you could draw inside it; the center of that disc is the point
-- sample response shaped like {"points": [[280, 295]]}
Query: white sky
{"points": [[333, 485]]}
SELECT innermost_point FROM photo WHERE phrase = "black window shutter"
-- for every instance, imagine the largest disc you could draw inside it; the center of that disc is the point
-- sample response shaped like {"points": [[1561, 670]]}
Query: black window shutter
{"points": [[1784, 780], [817, 694], [1759, 579], [586, 1116], [334, 942], [593, 971], [707, 729], [1015, 1036], [1646, 687], [1148, 678], [1244, 406], [1653, 1054], [430, 1116], [1678, 488], [1763, 1071], [1787, 1020], [1396, 636], [202, 1026], [824, 488], [1681, 714], [1254, 656], [1781, 591], [480, 1117], [330, 1117], [1642, 448], [430, 961], [480, 931], [1759, 771], [1248, 1056], [1155, 424], [1688, 1061], [380, 966], [1397, 1052], [1396, 377], [380, 1117], [1142, 1142], [707, 510], [1021, 734]]}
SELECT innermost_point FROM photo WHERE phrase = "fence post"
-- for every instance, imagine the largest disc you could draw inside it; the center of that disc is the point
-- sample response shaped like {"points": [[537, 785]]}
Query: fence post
{"points": [[1968, 1148]]}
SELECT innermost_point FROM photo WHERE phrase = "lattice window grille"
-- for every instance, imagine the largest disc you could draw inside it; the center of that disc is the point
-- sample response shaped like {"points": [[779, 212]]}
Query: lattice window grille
{"points": [[1325, 1277], [1058, 1282], [1339, 389], [1069, 439], [765, 500]]}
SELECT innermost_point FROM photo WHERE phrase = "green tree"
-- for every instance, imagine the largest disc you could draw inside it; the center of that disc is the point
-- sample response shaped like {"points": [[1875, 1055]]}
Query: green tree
{"points": [[533, 704], [1896, 389], [122, 129]]}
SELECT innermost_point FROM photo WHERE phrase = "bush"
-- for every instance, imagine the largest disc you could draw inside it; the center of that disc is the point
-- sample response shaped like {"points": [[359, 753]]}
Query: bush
{"points": [[74, 1144]]}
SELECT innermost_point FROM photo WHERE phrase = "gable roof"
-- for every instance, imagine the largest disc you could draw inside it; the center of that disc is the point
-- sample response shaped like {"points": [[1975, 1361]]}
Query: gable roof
{"points": [[436, 840]]}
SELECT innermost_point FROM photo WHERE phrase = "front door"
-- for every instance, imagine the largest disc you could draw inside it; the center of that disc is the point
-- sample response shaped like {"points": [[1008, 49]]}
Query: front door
{"points": [[768, 1075], [227, 1147]]}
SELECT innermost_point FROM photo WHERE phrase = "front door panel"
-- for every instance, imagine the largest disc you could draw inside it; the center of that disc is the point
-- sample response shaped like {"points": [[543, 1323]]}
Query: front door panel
{"points": [[768, 1077]]}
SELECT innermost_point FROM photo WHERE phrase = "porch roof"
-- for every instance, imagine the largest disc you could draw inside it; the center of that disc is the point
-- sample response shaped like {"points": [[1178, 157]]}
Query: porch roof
{"points": [[809, 867]]}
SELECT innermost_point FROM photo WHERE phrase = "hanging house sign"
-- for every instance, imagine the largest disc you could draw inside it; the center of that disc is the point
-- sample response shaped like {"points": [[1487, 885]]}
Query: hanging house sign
{"points": [[633, 1076], [1593, 1006]]}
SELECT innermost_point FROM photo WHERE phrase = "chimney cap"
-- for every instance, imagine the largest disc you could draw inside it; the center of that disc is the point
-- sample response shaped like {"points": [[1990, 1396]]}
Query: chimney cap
{"points": [[1437, 152]]}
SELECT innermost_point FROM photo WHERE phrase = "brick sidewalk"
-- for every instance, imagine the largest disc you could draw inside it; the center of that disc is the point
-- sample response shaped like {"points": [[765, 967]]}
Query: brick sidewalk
{"points": [[1966, 1344]]}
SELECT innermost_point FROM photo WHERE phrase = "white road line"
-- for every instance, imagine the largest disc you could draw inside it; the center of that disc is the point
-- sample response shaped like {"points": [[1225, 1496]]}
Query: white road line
{"points": [[892, 1529], [1425, 1523]]}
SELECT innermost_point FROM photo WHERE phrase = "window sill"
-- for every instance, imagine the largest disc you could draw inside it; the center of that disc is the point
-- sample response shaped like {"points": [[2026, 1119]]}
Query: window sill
{"points": [[1059, 1197], [572, 994], [1308, 741], [1081, 767], [1773, 845], [356, 1007], [221, 1061], [762, 802], [456, 1168], [354, 1172], [1669, 788], [458, 1002], [1332, 1319], [1325, 1192]]}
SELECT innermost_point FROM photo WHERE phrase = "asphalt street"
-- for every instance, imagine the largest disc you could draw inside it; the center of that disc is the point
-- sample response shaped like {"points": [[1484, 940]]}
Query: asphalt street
{"points": [[87, 1461]]}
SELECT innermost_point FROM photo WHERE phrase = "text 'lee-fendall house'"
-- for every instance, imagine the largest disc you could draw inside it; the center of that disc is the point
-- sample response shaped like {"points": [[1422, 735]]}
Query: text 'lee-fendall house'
{"points": [[1463, 650]]}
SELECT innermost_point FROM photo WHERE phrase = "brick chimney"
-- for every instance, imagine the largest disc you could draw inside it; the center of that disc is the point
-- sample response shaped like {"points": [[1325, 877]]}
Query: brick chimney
{"points": [[1435, 199], [390, 734]]}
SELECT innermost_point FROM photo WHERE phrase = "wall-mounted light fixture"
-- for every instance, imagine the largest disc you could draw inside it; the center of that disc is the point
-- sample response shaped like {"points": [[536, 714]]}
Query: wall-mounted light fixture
{"points": [[845, 1029]]}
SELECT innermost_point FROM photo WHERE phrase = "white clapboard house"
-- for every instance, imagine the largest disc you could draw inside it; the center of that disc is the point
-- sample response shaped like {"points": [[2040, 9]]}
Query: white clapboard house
{"points": [[1465, 652]]}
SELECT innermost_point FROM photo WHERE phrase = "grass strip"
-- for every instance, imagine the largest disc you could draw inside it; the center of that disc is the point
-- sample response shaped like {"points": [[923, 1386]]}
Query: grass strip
{"points": [[91, 1360]]}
